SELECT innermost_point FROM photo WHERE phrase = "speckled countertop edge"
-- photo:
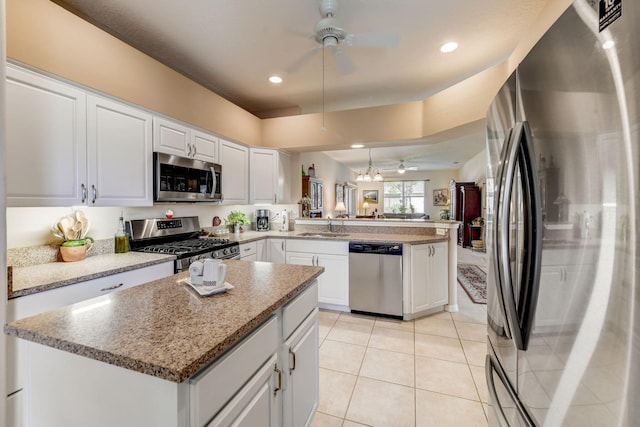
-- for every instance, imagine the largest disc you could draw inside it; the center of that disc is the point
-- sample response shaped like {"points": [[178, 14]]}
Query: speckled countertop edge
{"points": [[163, 328], [44, 277]]}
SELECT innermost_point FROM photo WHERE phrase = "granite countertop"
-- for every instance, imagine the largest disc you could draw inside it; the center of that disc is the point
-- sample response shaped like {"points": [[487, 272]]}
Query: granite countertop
{"points": [[43, 277], [164, 328], [250, 236]]}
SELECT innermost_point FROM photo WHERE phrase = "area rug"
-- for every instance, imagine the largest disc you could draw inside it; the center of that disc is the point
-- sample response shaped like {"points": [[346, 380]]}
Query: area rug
{"points": [[474, 282]]}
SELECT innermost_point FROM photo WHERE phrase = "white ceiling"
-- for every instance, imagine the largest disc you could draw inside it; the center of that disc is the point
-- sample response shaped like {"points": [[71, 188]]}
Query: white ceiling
{"points": [[232, 47]]}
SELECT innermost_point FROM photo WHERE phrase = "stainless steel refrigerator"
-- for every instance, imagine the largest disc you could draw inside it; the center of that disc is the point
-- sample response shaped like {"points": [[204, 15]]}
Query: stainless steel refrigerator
{"points": [[562, 216]]}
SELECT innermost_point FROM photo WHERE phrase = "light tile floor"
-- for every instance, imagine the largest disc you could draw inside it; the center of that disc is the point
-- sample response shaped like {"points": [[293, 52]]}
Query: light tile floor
{"points": [[426, 372]]}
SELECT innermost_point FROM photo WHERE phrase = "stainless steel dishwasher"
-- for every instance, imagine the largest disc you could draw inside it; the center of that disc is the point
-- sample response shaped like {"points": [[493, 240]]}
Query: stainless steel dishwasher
{"points": [[375, 278]]}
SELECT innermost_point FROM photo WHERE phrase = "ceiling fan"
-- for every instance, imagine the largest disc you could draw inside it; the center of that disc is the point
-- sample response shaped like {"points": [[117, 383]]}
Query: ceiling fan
{"points": [[401, 169], [329, 34]]}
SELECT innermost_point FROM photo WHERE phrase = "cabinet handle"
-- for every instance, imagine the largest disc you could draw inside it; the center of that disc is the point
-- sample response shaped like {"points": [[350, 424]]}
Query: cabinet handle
{"points": [[188, 150], [110, 288], [95, 194], [84, 193], [195, 150], [279, 387], [282, 244], [293, 361], [246, 249]]}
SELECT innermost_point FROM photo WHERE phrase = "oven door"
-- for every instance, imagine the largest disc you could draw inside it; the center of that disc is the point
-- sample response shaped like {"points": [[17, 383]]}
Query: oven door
{"points": [[180, 179]]}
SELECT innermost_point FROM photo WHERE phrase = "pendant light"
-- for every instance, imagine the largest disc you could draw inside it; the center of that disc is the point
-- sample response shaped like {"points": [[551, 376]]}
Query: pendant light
{"points": [[368, 176]]}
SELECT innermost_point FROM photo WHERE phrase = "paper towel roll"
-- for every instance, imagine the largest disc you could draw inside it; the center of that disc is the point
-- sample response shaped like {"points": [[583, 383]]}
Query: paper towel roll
{"points": [[196, 268]]}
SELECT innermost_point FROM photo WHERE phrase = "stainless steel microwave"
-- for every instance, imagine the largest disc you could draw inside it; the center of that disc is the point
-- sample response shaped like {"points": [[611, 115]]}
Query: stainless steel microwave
{"points": [[181, 179]]}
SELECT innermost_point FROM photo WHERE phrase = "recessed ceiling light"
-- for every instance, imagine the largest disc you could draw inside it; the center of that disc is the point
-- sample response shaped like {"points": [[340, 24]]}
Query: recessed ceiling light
{"points": [[448, 47], [275, 79], [357, 145]]}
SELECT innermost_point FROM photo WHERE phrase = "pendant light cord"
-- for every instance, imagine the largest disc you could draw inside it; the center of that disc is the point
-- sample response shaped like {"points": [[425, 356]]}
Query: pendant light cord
{"points": [[323, 125]]}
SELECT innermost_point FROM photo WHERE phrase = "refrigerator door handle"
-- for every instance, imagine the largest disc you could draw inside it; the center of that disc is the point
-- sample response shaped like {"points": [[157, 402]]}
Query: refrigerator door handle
{"points": [[530, 284], [518, 155]]}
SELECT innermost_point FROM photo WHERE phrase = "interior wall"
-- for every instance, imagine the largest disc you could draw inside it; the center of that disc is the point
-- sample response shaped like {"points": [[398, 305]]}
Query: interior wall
{"points": [[327, 169], [435, 180], [3, 223], [46, 36]]}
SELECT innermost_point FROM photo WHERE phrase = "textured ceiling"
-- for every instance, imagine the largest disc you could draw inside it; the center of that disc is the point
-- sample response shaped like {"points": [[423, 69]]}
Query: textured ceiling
{"points": [[232, 47]]}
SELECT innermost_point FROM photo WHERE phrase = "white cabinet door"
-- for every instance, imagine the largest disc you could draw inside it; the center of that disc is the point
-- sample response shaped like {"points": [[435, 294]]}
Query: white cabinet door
{"points": [[171, 137], [301, 394], [277, 251], [333, 285], [429, 276], [257, 404], [204, 146], [261, 252], [46, 141], [234, 159], [263, 175], [119, 154], [285, 178]]}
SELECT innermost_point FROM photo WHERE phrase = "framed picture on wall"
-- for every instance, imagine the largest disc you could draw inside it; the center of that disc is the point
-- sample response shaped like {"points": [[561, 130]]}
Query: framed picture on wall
{"points": [[441, 197], [339, 193], [370, 196]]}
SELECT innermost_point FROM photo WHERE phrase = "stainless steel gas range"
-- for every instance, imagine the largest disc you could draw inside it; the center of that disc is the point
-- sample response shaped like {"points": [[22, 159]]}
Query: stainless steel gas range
{"points": [[181, 237]]}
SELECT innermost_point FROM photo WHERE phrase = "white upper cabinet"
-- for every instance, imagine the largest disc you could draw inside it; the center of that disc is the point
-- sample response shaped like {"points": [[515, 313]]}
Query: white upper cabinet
{"points": [[270, 178], [119, 154], [67, 147], [171, 137], [204, 146], [264, 175], [234, 159], [46, 144]]}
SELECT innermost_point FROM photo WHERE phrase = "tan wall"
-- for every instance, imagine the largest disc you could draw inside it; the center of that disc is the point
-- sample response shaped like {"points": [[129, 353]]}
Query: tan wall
{"points": [[46, 36], [42, 34]]}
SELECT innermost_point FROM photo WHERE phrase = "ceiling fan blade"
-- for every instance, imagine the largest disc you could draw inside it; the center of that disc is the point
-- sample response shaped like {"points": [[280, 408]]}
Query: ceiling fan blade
{"points": [[343, 61], [381, 40], [295, 66]]}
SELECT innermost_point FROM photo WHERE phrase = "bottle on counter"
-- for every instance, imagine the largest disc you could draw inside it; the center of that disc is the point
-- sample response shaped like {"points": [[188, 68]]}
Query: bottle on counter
{"points": [[121, 238]]}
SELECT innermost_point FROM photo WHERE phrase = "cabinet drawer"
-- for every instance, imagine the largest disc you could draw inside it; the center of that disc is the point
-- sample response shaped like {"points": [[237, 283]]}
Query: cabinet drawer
{"points": [[297, 310], [318, 246], [216, 385], [248, 249]]}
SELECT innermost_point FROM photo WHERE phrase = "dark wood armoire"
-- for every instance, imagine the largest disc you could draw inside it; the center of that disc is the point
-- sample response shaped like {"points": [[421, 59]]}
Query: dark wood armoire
{"points": [[466, 205]]}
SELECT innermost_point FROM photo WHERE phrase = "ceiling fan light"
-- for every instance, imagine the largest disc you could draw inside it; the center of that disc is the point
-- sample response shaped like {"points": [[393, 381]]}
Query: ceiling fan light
{"points": [[401, 168], [360, 177], [367, 177], [378, 177]]}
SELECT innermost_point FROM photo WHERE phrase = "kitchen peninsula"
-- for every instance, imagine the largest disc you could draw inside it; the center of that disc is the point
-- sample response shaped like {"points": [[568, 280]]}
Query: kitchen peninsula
{"points": [[159, 354]]}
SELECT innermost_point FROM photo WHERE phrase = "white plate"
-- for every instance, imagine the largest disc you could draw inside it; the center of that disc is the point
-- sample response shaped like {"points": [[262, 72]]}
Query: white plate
{"points": [[205, 290]]}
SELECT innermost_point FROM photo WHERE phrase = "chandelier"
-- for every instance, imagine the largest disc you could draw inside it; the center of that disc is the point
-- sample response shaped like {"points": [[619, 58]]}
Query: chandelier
{"points": [[369, 176]]}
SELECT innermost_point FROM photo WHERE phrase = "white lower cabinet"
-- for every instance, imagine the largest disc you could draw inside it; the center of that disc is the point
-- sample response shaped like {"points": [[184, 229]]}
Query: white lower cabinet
{"points": [[276, 251], [249, 251], [301, 368], [429, 276], [30, 305], [269, 378], [333, 284], [261, 250]]}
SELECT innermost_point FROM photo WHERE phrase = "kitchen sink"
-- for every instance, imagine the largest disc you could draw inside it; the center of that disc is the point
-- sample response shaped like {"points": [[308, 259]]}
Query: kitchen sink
{"points": [[323, 234]]}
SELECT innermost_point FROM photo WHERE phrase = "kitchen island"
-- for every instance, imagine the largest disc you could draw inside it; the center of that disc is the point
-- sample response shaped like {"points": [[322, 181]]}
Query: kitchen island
{"points": [[160, 354]]}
